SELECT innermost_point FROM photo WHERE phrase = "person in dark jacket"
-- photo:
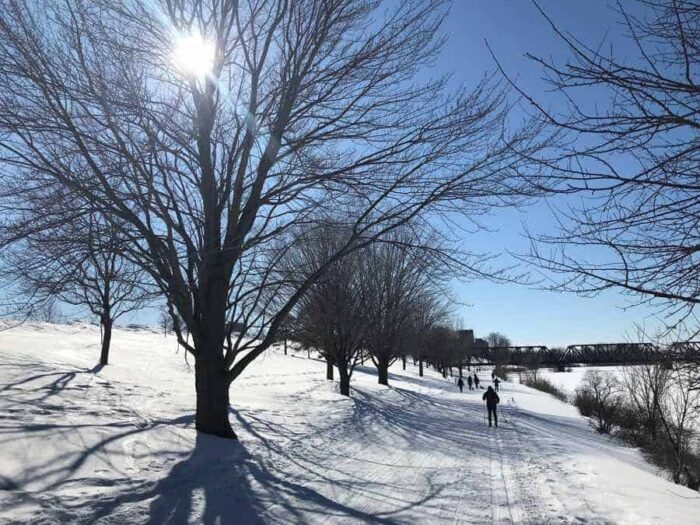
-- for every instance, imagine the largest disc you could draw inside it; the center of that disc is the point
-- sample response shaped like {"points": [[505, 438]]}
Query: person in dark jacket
{"points": [[460, 384], [476, 381], [469, 381], [492, 399], [496, 382]]}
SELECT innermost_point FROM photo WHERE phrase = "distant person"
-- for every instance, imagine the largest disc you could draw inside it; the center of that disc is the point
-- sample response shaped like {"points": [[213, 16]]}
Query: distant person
{"points": [[469, 381], [476, 381], [492, 399], [460, 384], [496, 382], [493, 374]]}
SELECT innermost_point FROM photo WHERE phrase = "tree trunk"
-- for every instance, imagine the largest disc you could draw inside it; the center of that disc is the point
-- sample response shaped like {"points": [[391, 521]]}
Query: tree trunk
{"points": [[420, 368], [383, 373], [212, 396], [344, 380], [285, 346], [329, 368], [460, 370], [106, 322], [210, 371], [403, 359]]}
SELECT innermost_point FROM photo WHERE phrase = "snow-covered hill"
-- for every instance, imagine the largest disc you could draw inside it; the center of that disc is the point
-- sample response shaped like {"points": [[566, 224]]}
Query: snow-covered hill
{"points": [[117, 445]]}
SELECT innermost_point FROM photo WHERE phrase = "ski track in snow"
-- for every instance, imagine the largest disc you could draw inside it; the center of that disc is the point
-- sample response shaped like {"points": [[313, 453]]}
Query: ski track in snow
{"points": [[117, 445]]}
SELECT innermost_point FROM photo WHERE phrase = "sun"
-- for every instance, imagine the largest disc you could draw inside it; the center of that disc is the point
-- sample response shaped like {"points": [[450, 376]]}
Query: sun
{"points": [[194, 55]]}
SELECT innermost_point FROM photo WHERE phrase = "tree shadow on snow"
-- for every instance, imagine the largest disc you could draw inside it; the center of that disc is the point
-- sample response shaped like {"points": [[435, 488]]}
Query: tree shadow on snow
{"points": [[223, 484]]}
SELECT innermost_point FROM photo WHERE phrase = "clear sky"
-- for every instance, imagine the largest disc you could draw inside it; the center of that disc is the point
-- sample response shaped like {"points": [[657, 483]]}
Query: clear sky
{"points": [[513, 28]]}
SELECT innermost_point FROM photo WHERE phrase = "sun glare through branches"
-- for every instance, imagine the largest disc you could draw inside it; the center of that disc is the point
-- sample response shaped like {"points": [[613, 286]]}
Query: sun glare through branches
{"points": [[194, 55]]}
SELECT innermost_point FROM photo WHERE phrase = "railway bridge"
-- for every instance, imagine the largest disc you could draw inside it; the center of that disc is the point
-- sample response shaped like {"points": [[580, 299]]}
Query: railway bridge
{"points": [[591, 354]]}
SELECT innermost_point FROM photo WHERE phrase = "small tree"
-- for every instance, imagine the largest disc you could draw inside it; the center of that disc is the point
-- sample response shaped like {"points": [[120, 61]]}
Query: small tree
{"points": [[45, 310], [81, 263], [646, 387], [680, 415], [429, 312], [165, 321], [599, 398], [497, 348], [497, 340], [443, 349]]}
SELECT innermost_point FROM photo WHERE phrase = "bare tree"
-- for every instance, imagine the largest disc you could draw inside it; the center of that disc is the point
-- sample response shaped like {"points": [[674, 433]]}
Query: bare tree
{"points": [[45, 310], [81, 263], [646, 387], [599, 397], [442, 348], [330, 315], [680, 415], [497, 339], [634, 156], [291, 108], [429, 312], [400, 276]]}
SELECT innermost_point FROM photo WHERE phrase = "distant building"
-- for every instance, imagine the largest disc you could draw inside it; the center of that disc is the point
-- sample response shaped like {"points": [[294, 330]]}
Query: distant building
{"points": [[473, 346]]}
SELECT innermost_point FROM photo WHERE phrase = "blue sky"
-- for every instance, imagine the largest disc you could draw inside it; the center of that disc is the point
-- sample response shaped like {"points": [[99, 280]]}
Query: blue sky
{"points": [[513, 28]]}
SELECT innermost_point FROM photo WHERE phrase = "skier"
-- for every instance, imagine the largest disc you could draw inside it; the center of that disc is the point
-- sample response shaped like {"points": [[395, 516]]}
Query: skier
{"points": [[476, 381], [492, 399], [460, 384], [469, 381], [496, 382]]}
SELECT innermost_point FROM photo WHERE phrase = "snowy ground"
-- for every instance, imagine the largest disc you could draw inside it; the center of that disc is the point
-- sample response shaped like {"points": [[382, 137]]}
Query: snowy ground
{"points": [[569, 381], [117, 445]]}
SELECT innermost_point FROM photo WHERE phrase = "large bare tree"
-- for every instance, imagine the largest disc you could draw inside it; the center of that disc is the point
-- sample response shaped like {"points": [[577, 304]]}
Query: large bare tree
{"points": [[207, 129]]}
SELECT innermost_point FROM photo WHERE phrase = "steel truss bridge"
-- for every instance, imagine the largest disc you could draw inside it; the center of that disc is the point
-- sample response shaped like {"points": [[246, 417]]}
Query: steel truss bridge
{"points": [[595, 354]]}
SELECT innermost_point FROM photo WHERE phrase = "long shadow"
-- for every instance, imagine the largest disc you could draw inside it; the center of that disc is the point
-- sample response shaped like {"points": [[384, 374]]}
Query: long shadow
{"points": [[421, 420], [220, 483], [215, 471], [287, 480]]}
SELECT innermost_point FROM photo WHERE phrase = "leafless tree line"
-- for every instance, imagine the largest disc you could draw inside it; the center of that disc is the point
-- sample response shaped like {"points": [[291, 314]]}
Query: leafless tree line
{"points": [[380, 303]]}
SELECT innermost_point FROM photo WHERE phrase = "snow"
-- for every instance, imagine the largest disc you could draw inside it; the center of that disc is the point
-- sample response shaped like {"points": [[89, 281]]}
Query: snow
{"points": [[569, 381], [117, 445]]}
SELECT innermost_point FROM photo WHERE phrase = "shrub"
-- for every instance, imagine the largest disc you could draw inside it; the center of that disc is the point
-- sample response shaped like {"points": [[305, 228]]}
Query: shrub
{"points": [[545, 385]]}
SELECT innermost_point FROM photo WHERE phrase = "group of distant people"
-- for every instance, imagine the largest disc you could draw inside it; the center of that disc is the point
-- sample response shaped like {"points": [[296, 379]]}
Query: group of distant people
{"points": [[490, 396], [473, 382]]}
